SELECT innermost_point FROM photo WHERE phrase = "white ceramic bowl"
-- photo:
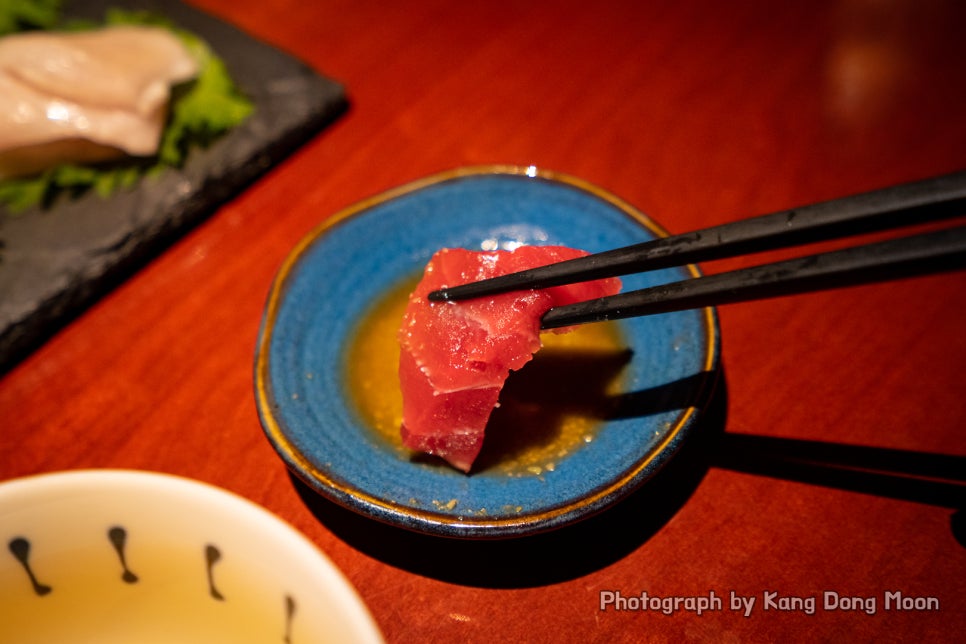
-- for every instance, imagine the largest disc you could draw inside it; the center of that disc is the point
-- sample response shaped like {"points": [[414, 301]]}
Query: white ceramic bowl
{"points": [[114, 555]]}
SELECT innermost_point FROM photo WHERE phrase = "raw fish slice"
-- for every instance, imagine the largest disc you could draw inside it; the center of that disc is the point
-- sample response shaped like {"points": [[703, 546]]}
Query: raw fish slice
{"points": [[85, 97], [29, 118], [455, 356], [126, 67]]}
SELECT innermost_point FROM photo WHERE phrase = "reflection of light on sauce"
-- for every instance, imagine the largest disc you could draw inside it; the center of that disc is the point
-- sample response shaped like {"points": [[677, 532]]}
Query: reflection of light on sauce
{"points": [[549, 409], [372, 365]]}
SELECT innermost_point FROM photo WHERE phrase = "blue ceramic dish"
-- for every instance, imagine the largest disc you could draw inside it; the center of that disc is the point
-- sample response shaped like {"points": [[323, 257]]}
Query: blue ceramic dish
{"points": [[328, 283]]}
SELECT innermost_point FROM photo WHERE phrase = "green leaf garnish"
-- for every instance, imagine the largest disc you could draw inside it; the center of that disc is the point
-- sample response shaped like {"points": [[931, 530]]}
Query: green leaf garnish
{"points": [[201, 110], [20, 15]]}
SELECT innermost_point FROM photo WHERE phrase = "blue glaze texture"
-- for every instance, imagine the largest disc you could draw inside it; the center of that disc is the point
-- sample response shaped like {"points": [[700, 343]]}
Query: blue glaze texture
{"points": [[332, 279]]}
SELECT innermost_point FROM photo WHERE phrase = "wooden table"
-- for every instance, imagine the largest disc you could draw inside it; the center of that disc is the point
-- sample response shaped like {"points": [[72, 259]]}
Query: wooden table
{"points": [[696, 112]]}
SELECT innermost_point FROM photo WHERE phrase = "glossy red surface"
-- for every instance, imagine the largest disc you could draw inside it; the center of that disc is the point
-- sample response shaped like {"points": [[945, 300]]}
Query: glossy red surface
{"points": [[698, 113]]}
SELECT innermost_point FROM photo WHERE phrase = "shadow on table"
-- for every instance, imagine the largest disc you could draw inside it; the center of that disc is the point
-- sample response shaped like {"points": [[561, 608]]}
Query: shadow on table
{"points": [[932, 479], [920, 477], [601, 540], [565, 553]]}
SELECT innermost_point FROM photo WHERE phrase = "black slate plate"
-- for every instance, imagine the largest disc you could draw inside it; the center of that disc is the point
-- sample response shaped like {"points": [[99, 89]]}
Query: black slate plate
{"points": [[56, 262]]}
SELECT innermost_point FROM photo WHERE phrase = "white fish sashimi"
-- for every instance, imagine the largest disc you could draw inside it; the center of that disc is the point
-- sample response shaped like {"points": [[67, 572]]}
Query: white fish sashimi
{"points": [[29, 117], [86, 94]]}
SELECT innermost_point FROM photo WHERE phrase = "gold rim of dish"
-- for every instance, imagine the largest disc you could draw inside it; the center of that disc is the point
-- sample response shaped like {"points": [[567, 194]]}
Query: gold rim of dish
{"points": [[478, 524]]}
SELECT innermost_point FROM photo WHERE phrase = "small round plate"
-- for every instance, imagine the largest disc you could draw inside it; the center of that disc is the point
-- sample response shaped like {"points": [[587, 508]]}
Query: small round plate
{"points": [[330, 280]]}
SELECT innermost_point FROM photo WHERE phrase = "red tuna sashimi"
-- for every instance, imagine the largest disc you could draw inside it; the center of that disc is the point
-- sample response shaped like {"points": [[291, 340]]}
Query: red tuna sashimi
{"points": [[455, 356]]}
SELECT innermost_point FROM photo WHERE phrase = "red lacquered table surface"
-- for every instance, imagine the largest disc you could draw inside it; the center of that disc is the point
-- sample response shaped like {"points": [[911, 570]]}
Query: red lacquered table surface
{"points": [[836, 406]]}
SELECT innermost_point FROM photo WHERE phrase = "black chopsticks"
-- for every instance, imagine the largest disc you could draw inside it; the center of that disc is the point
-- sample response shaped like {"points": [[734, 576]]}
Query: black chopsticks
{"points": [[903, 205], [907, 256]]}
